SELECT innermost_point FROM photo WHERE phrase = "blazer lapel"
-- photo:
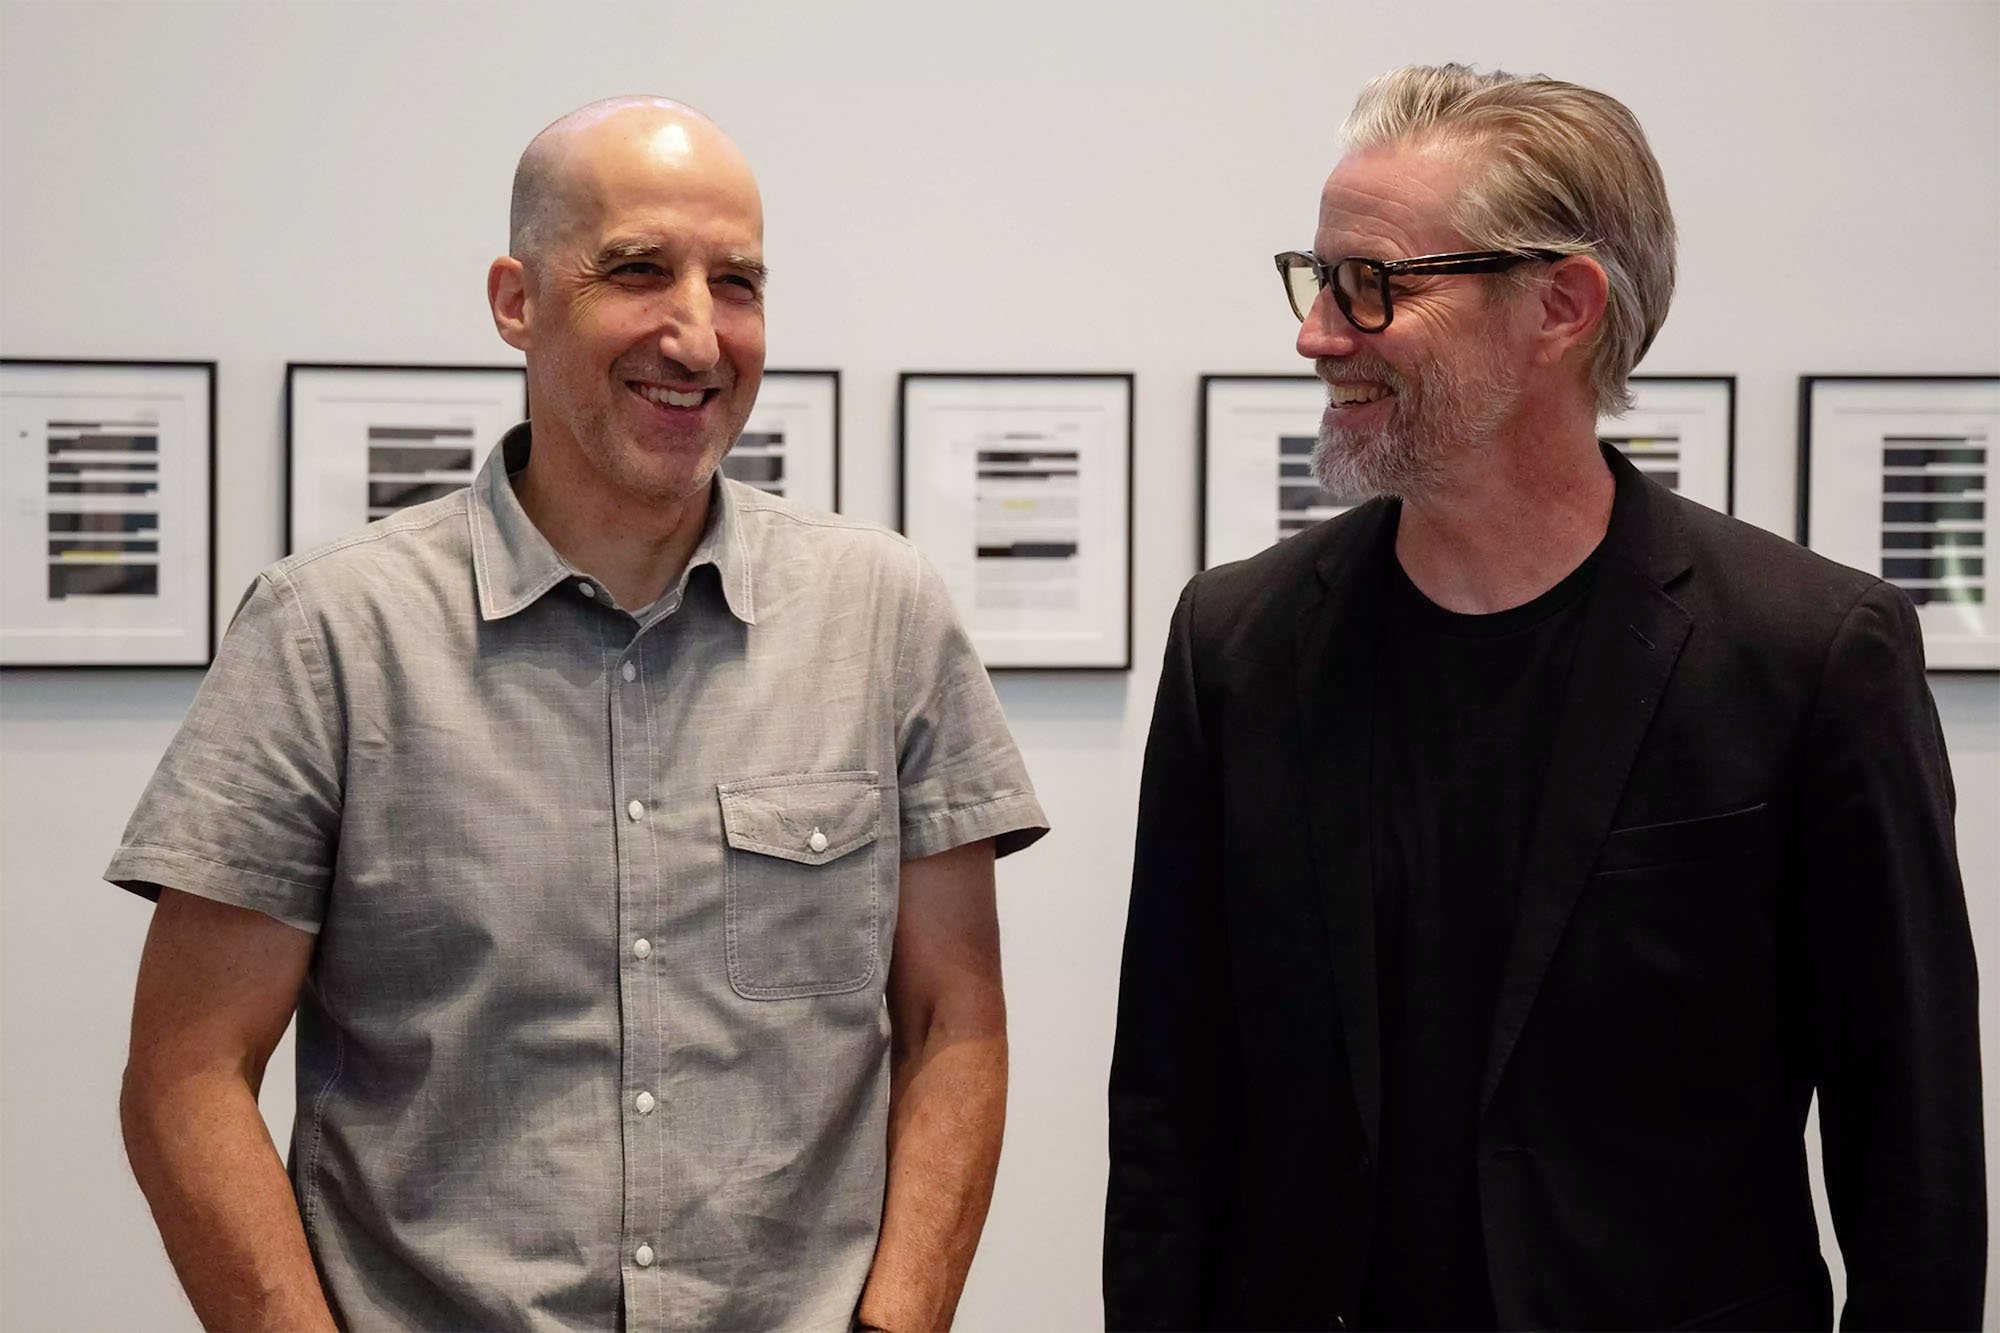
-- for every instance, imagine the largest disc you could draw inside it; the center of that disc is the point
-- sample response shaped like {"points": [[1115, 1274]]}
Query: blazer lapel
{"points": [[1336, 638], [1632, 634]]}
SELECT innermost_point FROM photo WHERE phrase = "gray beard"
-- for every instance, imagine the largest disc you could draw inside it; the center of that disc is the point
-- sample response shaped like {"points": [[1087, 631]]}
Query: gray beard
{"points": [[1352, 467], [1441, 412]]}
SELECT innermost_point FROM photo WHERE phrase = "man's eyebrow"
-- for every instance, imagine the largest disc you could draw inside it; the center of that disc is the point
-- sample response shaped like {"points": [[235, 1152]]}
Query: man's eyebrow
{"points": [[620, 251], [628, 250]]}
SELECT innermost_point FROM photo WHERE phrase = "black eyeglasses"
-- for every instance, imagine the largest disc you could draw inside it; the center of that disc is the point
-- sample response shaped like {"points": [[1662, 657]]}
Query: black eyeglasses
{"points": [[1361, 286]]}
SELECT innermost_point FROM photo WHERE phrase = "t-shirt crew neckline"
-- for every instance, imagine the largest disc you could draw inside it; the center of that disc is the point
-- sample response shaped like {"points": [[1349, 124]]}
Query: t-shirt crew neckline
{"points": [[1406, 599]]}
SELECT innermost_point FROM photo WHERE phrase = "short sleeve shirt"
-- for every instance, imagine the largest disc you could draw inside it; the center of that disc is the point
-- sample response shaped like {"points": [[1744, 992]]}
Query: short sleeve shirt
{"points": [[594, 1028]]}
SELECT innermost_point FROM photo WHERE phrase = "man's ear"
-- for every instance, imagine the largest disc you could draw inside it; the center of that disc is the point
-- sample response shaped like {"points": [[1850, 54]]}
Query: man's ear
{"points": [[507, 296], [1573, 305]]}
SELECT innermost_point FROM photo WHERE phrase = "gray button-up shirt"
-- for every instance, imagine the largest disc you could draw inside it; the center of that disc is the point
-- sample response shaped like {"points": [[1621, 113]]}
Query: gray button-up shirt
{"points": [[604, 906]]}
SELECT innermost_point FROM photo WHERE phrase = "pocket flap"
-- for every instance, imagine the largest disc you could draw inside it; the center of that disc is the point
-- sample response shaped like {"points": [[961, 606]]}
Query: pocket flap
{"points": [[1731, 833], [809, 818]]}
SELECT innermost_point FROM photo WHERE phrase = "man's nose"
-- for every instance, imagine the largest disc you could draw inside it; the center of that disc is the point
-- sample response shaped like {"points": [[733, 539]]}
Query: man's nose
{"points": [[1325, 331], [687, 335]]}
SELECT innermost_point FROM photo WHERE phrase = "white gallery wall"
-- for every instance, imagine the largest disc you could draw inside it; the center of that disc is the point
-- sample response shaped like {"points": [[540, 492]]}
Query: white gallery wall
{"points": [[1018, 186]]}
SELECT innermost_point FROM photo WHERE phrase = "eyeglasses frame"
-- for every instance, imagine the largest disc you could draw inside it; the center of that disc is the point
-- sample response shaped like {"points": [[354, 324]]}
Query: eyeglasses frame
{"points": [[1462, 261]]}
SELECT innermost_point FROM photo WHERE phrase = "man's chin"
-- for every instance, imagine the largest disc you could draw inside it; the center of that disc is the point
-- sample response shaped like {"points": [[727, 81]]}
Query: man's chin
{"points": [[662, 481], [1350, 468], [673, 491]]}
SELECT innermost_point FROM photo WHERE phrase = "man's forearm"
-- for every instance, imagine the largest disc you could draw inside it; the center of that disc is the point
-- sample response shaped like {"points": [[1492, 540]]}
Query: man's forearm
{"points": [[947, 1107], [205, 1160]]}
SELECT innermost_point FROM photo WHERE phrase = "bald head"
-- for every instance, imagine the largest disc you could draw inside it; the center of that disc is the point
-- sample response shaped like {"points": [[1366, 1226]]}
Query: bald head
{"points": [[556, 162], [635, 290]]}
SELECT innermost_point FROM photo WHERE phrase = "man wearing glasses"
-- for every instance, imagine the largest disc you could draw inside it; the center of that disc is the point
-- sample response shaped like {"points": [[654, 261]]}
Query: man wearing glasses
{"points": [[1520, 852]]}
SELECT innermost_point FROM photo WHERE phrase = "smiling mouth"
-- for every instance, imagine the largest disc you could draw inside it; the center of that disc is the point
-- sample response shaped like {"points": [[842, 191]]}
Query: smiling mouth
{"points": [[1353, 395], [661, 396]]}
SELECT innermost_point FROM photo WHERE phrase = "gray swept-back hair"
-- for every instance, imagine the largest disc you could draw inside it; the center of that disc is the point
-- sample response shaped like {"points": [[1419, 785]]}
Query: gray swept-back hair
{"points": [[1552, 166]]}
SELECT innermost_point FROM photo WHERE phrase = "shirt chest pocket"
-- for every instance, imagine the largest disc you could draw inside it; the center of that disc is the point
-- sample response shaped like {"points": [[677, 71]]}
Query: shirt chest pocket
{"points": [[803, 883]]}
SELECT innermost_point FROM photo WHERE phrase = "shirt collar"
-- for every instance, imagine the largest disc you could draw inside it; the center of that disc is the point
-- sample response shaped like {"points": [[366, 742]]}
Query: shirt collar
{"points": [[514, 564], [723, 546]]}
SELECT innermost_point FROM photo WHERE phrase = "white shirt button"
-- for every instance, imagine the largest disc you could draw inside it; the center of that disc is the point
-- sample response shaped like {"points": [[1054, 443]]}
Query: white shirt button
{"points": [[629, 671], [586, 590], [636, 809], [644, 1101], [642, 948], [817, 841], [643, 1256]]}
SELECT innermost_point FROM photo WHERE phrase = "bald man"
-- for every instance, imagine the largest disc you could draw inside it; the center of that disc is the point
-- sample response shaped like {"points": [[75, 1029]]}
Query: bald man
{"points": [[623, 837]]}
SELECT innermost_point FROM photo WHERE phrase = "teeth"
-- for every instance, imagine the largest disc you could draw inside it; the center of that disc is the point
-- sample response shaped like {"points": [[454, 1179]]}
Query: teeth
{"points": [[1346, 395], [669, 398]]}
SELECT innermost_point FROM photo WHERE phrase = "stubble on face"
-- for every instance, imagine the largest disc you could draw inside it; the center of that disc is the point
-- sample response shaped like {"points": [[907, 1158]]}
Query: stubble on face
{"points": [[1443, 359], [637, 459], [1445, 412], [654, 201]]}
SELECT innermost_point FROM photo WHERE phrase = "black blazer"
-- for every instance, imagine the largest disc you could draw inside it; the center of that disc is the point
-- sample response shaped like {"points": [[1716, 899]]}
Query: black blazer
{"points": [[1741, 888]]}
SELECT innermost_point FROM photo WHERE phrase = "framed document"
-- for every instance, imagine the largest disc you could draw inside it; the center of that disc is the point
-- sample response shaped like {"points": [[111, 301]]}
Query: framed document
{"points": [[1019, 488], [1681, 432], [1257, 434], [363, 441], [1896, 477], [790, 446], [108, 493]]}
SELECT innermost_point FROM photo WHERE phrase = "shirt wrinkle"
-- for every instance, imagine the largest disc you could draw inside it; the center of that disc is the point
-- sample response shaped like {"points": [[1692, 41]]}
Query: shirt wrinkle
{"points": [[320, 670], [952, 811]]}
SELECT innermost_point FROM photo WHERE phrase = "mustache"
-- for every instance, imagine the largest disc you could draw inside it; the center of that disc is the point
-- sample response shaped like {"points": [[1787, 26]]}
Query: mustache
{"points": [[666, 370], [1330, 369]]}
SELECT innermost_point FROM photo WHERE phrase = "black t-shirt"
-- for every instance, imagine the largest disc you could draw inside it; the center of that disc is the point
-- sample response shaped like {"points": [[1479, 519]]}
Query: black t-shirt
{"points": [[1465, 709]]}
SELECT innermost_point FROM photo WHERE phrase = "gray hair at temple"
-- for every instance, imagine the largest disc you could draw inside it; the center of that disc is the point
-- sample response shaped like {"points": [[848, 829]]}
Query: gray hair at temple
{"points": [[1554, 166]]}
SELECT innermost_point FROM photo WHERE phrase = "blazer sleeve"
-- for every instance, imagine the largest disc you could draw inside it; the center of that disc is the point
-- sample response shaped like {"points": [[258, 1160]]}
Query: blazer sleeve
{"points": [[1171, 1067], [1895, 992]]}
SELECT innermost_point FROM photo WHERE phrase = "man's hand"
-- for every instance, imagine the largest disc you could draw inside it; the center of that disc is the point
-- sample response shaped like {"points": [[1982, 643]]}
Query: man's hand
{"points": [[217, 984], [948, 1089]]}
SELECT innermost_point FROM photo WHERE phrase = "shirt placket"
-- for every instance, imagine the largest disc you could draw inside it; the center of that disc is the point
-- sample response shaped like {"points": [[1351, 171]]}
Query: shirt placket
{"points": [[642, 999]]}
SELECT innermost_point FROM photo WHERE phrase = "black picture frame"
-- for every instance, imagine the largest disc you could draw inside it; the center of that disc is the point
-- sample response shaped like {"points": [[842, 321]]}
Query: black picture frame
{"points": [[1725, 386], [1283, 395], [1110, 642], [822, 460], [197, 392], [336, 509], [1935, 538]]}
